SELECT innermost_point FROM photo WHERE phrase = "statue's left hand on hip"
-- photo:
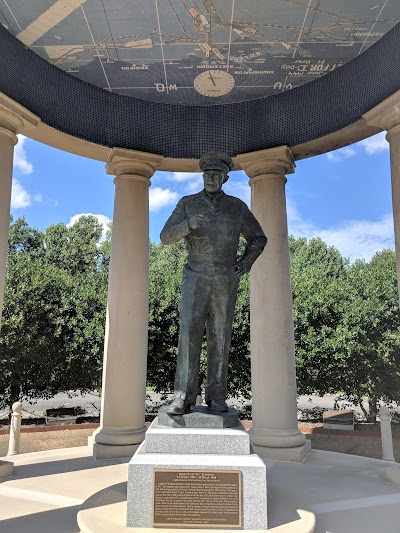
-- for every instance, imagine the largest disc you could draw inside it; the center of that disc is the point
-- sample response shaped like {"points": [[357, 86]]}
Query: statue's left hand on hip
{"points": [[240, 269]]}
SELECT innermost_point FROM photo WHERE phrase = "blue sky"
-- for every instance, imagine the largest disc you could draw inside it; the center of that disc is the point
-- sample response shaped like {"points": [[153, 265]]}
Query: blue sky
{"points": [[343, 197]]}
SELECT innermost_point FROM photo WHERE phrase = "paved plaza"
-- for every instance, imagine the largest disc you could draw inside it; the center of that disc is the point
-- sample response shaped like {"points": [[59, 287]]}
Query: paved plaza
{"points": [[347, 494]]}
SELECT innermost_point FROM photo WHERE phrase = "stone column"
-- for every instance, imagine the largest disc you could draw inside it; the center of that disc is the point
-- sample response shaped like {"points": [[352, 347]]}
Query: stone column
{"points": [[125, 350], [275, 430], [387, 117], [393, 137], [8, 140], [13, 119]]}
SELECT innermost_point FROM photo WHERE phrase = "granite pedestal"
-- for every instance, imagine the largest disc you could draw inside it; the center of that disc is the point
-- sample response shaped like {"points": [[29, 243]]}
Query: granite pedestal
{"points": [[194, 448], [199, 417]]}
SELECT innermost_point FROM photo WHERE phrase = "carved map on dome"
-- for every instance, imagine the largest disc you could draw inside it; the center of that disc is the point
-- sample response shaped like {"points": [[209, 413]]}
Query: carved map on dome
{"points": [[198, 52]]}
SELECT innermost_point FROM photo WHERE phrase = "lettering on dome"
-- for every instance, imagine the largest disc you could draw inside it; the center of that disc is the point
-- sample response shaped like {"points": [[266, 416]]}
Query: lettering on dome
{"points": [[199, 53]]}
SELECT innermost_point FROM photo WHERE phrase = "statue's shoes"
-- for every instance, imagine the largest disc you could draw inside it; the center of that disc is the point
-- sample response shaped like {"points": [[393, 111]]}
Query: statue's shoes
{"points": [[218, 405], [178, 407]]}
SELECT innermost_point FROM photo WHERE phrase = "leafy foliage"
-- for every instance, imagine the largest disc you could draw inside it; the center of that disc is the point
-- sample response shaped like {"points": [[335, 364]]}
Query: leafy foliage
{"points": [[372, 322], [166, 264], [346, 318], [347, 325], [318, 284], [239, 379], [54, 311]]}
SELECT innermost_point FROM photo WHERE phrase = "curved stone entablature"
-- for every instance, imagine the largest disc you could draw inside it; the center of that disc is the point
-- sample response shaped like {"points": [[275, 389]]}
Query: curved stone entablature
{"points": [[291, 118]]}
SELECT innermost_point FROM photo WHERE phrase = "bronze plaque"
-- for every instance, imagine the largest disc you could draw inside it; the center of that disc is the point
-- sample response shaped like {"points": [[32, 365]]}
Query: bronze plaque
{"points": [[197, 498]]}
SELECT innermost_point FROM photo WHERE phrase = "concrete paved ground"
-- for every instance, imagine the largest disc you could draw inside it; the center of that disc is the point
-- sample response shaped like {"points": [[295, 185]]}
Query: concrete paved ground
{"points": [[48, 488], [348, 494]]}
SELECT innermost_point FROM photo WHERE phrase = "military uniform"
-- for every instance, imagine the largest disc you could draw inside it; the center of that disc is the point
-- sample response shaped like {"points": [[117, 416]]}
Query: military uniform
{"points": [[209, 285]]}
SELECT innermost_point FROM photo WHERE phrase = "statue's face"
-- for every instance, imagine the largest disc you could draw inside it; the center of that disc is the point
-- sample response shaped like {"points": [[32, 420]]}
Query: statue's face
{"points": [[213, 180]]}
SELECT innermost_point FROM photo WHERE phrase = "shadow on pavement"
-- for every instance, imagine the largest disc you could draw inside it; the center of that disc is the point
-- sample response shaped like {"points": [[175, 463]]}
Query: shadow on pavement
{"points": [[62, 466], [43, 521]]}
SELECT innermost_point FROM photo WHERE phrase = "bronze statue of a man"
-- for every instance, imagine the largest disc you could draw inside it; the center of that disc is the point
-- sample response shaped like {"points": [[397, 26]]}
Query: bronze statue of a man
{"points": [[211, 223]]}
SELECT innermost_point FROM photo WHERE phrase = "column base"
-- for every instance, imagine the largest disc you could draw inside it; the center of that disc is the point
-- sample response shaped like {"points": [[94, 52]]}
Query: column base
{"points": [[296, 454], [111, 443], [392, 475], [119, 436], [110, 451], [6, 469], [277, 438]]}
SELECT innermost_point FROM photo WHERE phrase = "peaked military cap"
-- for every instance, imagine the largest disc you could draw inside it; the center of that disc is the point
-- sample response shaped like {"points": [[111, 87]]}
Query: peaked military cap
{"points": [[216, 161]]}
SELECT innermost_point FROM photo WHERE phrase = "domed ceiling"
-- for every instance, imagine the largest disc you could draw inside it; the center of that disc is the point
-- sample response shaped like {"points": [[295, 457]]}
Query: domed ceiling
{"points": [[179, 78], [198, 52]]}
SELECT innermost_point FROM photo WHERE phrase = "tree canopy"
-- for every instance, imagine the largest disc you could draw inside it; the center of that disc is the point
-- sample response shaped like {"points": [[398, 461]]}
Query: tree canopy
{"points": [[371, 321], [347, 325], [54, 310], [346, 317]]}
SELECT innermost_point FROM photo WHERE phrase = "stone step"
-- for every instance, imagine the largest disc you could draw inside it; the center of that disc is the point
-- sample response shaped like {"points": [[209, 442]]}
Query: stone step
{"points": [[228, 441]]}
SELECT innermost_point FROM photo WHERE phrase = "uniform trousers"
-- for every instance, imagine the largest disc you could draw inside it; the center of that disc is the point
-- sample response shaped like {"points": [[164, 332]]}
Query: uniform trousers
{"points": [[208, 297]]}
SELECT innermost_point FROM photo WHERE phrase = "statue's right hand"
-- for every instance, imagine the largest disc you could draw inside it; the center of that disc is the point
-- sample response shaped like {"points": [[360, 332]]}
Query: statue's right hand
{"points": [[196, 221]]}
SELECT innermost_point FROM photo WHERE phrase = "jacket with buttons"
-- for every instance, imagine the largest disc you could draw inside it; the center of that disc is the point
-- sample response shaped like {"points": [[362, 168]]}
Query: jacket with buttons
{"points": [[216, 240]]}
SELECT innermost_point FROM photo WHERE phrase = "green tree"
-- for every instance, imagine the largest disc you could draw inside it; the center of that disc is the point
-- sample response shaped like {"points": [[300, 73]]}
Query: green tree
{"points": [[54, 310], [347, 323], [372, 324], [31, 342], [318, 283], [75, 248], [22, 237], [166, 263], [346, 318], [239, 377]]}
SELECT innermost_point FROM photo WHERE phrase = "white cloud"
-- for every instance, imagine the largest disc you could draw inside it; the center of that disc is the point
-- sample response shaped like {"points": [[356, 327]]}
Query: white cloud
{"points": [[238, 189], [160, 198], [19, 196], [20, 158], [342, 153], [102, 219], [375, 144], [361, 238], [193, 180], [355, 239], [298, 226]]}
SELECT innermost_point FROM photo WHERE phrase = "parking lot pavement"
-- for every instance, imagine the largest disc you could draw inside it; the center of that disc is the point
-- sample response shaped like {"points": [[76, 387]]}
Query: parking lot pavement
{"points": [[36, 407]]}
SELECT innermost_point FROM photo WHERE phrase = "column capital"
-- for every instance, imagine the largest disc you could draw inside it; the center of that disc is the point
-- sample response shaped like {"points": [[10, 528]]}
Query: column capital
{"points": [[385, 115], [131, 162], [14, 117], [277, 160]]}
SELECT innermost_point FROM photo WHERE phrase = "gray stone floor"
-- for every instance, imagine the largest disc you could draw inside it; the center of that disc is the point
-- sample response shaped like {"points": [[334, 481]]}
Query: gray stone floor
{"points": [[347, 494]]}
